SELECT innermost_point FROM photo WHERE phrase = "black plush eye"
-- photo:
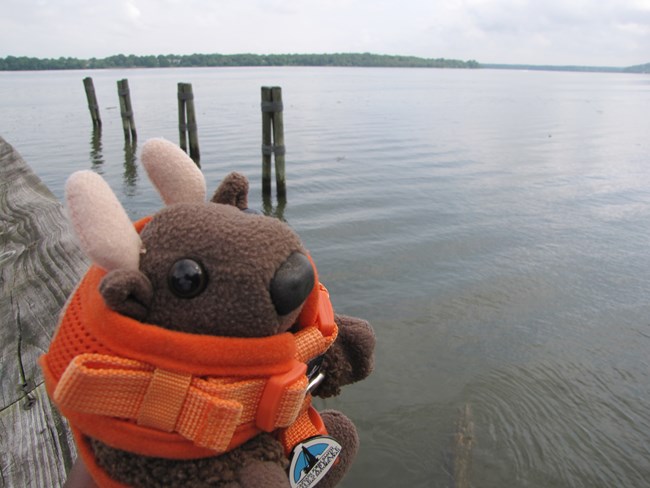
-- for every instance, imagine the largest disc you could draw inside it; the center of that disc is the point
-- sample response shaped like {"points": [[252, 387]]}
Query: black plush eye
{"points": [[187, 278]]}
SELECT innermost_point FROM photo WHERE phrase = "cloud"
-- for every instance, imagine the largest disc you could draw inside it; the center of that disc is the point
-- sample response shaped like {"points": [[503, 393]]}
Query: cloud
{"points": [[549, 32], [132, 11], [606, 32]]}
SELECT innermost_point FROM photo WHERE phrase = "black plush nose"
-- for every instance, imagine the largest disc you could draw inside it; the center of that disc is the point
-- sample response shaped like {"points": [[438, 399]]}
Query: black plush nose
{"points": [[292, 283]]}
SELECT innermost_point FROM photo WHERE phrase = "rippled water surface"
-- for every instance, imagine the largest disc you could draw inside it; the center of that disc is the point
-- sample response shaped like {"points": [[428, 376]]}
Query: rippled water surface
{"points": [[494, 226]]}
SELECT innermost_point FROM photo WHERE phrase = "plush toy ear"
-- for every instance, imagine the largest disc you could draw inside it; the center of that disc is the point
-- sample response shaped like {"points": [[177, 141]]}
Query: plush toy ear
{"points": [[105, 232], [233, 190], [172, 172]]}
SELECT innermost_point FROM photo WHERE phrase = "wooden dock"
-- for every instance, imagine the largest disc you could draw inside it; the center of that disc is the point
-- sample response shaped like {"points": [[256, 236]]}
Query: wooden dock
{"points": [[40, 264]]}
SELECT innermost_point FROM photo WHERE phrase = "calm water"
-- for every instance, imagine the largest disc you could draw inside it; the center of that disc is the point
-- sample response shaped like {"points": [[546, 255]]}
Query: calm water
{"points": [[494, 226]]}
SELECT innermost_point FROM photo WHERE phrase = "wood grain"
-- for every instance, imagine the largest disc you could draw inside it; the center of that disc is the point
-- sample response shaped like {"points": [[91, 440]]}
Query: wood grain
{"points": [[40, 264]]}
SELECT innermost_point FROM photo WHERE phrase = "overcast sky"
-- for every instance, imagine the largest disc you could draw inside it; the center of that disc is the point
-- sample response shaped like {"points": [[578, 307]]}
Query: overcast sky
{"points": [[583, 32]]}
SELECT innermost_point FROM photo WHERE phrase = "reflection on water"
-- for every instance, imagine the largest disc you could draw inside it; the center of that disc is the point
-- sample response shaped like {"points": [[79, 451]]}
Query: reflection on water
{"points": [[130, 178], [492, 225], [96, 156], [130, 168], [277, 210]]}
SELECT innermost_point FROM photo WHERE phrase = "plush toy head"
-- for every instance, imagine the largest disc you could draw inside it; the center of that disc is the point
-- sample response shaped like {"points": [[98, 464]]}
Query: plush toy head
{"points": [[187, 342], [196, 267]]}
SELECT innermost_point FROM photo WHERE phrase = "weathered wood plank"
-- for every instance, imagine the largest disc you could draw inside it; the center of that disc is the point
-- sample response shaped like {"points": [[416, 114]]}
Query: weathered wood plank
{"points": [[40, 264], [37, 448]]}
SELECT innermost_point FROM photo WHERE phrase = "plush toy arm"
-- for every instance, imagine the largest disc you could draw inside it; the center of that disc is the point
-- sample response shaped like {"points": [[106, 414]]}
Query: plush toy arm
{"points": [[350, 358], [263, 473]]}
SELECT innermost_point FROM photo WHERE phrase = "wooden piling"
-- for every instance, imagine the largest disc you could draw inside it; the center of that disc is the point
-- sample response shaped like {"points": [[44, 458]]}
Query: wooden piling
{"points": [[273, 141], [40, 265], [267, 148], [278, 142], [182, 118], [126, 110], [187, 122], [92, 102], [462, 444]]}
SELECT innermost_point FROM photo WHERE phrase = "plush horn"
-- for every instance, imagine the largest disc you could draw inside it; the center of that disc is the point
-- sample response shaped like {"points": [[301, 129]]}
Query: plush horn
{"points": [[101, 224], [173, 172]]}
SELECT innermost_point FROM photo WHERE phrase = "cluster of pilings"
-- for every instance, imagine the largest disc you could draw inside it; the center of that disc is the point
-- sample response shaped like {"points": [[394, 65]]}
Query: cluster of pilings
{"points": [[273, 140], [272, 128]]}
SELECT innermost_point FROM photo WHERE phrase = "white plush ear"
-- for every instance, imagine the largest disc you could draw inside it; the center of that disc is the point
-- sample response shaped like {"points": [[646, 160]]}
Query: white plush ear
{"points": [[172, 172], [105, 232]]}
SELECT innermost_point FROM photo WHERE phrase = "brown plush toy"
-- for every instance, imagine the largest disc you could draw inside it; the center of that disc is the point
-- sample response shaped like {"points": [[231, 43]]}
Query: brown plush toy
{"points": [[189, 352]]}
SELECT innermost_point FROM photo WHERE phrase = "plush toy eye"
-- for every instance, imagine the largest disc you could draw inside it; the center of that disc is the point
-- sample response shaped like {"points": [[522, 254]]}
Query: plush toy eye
{"points": [[187, 278]]}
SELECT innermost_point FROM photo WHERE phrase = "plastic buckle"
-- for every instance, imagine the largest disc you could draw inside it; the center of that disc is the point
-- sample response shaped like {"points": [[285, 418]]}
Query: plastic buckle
{"points": [[325, 316], [271, 399]]}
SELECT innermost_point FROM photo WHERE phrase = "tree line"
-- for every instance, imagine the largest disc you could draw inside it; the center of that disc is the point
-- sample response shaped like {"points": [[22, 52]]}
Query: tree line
{"points": [[642, 68], [23, 63], [639, 68]]}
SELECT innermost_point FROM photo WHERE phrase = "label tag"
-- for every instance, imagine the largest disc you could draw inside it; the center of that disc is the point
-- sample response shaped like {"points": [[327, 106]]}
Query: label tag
{"points": [[311, 460]]}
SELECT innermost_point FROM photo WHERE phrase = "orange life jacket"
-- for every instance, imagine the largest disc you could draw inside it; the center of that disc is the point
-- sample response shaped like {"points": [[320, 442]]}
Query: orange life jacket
{"points": [[162, 393]]}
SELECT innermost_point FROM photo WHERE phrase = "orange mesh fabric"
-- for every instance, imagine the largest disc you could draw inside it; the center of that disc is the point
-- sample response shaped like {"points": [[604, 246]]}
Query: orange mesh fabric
{"points": [[72, 338], [162, 393]]}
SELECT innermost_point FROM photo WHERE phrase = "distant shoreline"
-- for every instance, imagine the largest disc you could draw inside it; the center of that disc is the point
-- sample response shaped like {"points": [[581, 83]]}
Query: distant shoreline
{"points": [[643, 68], [365, 60]]}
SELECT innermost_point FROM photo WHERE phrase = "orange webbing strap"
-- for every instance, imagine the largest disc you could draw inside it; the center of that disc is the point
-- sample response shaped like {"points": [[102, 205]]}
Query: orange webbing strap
{"points": [[164, 399], [311, 343], [205, 411], [307, 425]]}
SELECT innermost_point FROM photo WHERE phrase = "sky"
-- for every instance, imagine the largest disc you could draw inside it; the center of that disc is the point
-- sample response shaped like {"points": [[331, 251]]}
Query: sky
{"points": [[559, 32]]}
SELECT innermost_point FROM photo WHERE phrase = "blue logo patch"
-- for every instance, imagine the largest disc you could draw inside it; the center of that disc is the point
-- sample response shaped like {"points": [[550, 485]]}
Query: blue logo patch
{"points": [[311, 460]]}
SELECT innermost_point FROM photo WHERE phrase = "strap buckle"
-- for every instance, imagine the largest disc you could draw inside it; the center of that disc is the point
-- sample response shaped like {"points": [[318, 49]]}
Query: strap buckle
{"points": [[282, 398], [325, 316]]}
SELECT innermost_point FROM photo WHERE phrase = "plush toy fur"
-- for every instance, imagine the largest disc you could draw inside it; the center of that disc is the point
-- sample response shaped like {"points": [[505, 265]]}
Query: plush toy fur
{"points": [[258, 284]]}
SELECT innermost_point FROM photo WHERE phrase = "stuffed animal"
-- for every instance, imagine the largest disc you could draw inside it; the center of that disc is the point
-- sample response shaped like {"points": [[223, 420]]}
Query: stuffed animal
{"points": [[189, 352]]}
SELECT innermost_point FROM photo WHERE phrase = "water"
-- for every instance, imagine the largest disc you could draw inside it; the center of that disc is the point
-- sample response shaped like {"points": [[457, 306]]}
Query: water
{"points": [[494, 226]]}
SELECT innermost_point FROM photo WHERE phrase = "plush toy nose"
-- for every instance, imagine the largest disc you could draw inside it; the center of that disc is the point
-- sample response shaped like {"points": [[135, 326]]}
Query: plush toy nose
{"points": [[292, 283]]}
